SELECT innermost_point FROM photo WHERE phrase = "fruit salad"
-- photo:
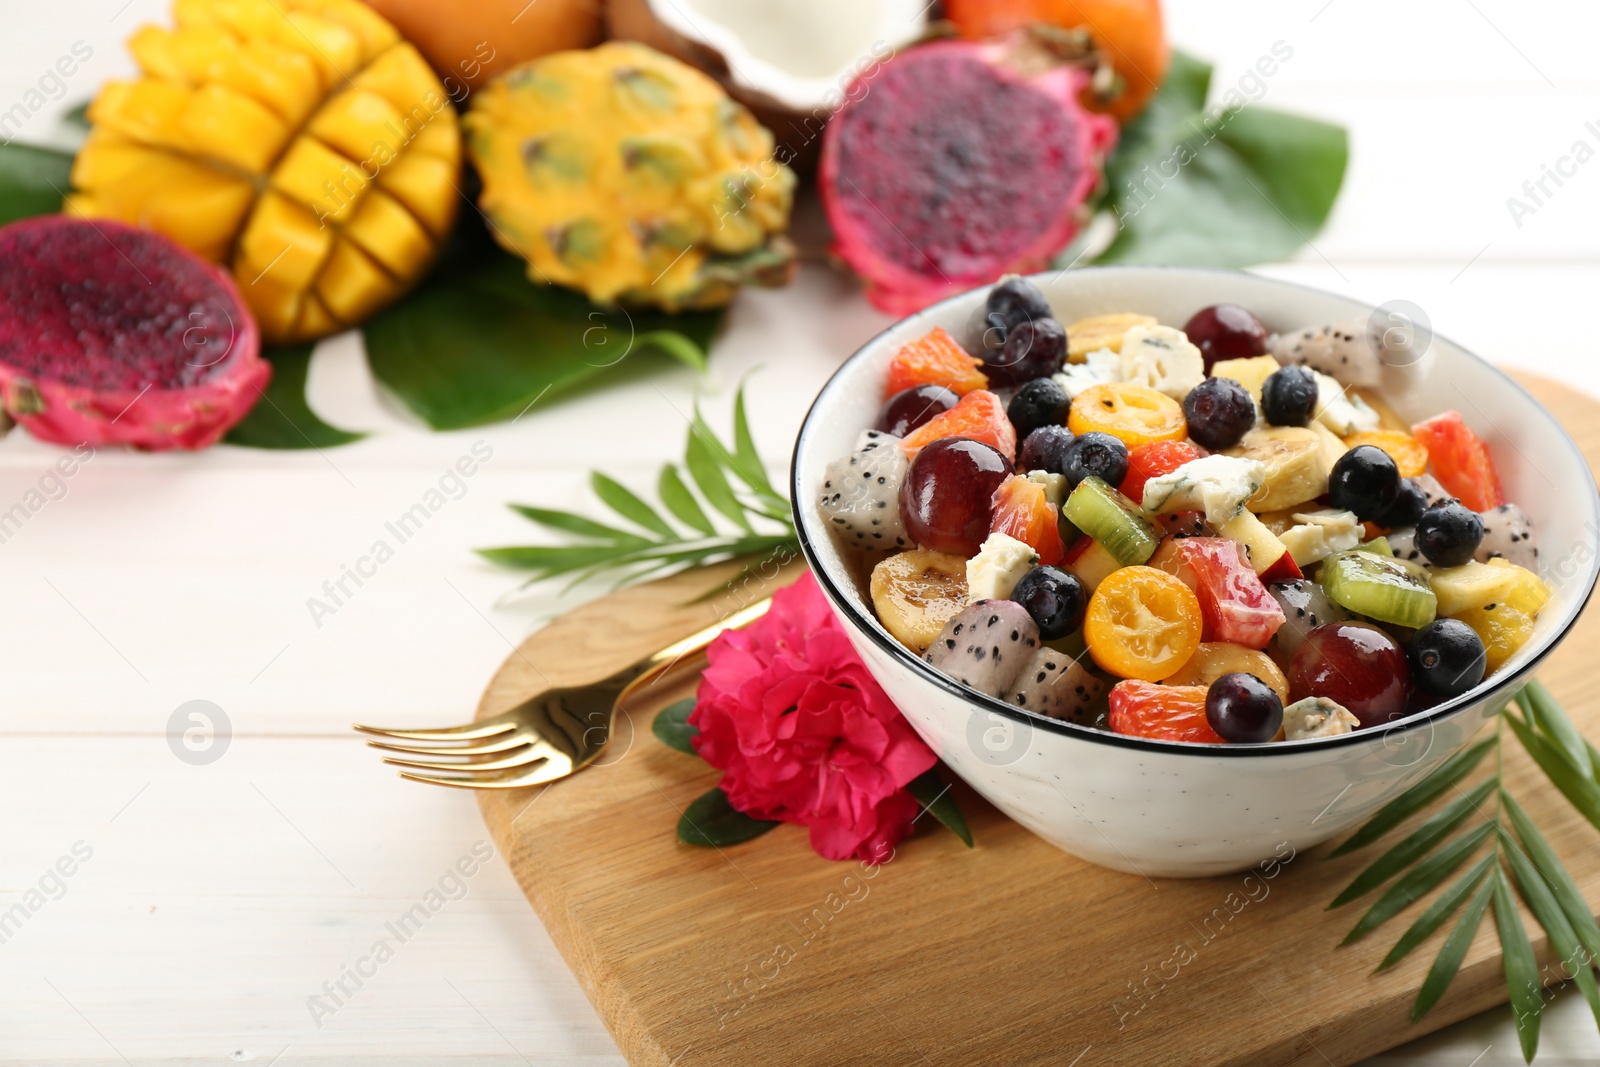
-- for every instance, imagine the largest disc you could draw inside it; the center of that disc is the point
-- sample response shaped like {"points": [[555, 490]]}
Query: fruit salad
{"points": [[1216, 534]]}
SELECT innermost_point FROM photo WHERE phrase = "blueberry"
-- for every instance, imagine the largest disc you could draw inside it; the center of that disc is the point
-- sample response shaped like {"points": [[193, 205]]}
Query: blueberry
{"points": [[1220, 412], [1407, 507], [1243, 709], [1098, 455], [1289, 397], [1045, 449], [1448, 533], [1033, 349], [1447, 658], [1365, 481], [1054, 599], [1041, 402], [1014, 300]]}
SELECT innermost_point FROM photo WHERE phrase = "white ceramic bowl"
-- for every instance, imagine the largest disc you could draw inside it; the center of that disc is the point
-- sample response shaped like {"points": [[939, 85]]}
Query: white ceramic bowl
{"points": [[1163, 808]]}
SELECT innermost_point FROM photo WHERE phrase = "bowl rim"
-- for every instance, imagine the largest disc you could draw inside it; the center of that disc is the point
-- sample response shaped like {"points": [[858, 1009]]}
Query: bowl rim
{"points": [[1425, 718]]}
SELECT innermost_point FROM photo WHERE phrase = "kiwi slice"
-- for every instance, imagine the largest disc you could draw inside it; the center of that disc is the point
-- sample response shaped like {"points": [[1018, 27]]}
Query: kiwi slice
{"points": [[1379, 546], [1113, 520], [1380, 587]]}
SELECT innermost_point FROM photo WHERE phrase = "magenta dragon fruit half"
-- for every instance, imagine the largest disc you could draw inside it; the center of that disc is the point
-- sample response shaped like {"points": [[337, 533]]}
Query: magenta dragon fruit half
{"points": [[115, 335], [959, 161]]}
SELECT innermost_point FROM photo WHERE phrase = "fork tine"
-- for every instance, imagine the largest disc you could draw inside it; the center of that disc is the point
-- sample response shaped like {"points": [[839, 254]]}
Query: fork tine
{"points": [[521, 758], [547, 772], [470, 732], [498, 744]]}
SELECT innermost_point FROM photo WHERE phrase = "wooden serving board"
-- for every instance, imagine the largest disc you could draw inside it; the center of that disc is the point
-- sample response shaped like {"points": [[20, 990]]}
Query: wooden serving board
{"points": [[1012, 953]]}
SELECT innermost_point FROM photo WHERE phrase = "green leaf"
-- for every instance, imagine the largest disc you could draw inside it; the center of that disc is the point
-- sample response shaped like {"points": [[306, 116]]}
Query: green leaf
{"points": [[78, 116], [1443, 906], [1555, 873], [679, 346], [672, 727], [1416, 844], [712, 821], [1548, 717], [1581, 791], [749, 466], [551, 559], [935, 798], [282, 419], [1551, 916], [1421, 880], [33, 181], [625, 502], [681, 502], [1522, 972], [1416, 798], [567, 522], [480, 343], [1233, 186], [1448, 962], [707, 474]]}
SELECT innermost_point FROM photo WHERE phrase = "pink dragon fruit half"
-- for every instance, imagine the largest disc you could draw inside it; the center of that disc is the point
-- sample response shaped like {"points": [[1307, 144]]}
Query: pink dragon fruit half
{"points": [[959, 161], [115, 335]]}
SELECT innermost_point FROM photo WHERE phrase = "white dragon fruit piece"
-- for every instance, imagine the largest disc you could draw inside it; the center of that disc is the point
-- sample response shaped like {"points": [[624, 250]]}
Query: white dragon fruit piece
{"points": [[1508, 534], [986, 645], [1345, 350], [1056, 685], [861, 493]]}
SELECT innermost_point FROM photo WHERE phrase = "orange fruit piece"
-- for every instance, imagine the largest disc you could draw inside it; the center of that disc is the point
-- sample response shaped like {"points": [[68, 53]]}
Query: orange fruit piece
{"points": [[1217, 658], [1134, 414], [1162, 712], [1142, 623], [936, 359], [1022, 511], [1461, 460], [1129, 32], [1408, 453], [979, 415]]}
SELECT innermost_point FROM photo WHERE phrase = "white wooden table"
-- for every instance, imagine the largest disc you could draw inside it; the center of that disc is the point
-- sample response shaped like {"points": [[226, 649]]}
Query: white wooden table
{"points": [[216, 900]]}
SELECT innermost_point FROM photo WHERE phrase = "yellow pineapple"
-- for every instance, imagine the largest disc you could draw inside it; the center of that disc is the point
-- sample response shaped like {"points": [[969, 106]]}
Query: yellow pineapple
{"points": [[300, 142], [631, 176]]}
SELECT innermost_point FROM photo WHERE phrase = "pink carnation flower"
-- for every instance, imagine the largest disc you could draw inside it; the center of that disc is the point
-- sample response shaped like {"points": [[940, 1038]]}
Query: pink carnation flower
{"points": [[803, 733]]}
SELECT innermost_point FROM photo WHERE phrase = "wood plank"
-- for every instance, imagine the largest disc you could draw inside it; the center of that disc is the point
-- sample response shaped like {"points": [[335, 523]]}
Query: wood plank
{"points": [[1011, 953]]}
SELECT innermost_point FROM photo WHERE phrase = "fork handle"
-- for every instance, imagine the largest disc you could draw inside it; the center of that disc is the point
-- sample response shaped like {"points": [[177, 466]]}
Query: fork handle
{"points": [[652, 668]]}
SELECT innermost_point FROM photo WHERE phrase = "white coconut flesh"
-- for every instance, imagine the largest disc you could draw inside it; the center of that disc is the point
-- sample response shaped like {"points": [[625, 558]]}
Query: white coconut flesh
{"points": [[800, 53]]}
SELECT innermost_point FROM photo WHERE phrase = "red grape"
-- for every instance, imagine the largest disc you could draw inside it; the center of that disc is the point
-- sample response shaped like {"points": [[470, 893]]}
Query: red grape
{"points": [[910, 408], [947, 498], [1226, 331], [1356, 665]]}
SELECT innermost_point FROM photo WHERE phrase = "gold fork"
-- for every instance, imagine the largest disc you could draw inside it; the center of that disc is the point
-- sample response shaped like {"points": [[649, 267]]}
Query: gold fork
{"points": [[548, 736]]}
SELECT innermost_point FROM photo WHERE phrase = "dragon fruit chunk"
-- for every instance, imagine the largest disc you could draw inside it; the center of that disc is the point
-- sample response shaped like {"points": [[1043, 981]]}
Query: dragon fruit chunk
{"points": [[115, 335], [957, 162], [861, 493]]}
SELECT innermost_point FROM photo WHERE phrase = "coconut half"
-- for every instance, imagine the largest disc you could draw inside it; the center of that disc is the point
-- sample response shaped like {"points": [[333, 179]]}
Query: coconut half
{"points": [[790, 61]]}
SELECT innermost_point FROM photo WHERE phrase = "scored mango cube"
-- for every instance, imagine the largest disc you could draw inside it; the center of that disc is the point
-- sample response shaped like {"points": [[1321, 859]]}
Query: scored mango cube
{"points": [[352, 286], [321, 179], [390, 234], [361, 125], [231, 127], [285, 241], [260, 135]]}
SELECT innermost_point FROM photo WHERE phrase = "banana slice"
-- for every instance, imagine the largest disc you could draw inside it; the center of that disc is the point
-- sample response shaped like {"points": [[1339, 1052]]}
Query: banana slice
{"points": [[916, 593], [1295, 462], [1101, 331]]}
